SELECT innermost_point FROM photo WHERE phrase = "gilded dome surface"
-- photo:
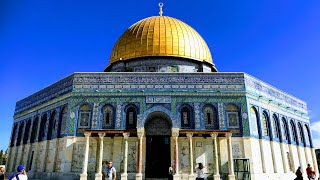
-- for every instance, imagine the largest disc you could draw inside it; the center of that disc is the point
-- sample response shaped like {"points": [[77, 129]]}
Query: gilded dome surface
{"points": [[160, 36]]}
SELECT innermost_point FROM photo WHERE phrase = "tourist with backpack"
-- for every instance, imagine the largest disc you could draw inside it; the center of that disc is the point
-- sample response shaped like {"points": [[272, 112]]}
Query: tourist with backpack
{"points": [[20, 175]]}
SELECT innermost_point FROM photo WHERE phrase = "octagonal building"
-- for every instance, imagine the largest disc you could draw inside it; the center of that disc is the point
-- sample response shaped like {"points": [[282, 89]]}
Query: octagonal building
{"points": [[161, 103]]}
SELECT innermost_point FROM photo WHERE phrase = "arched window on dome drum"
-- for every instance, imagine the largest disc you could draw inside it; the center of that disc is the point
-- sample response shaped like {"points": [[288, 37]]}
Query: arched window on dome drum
{"points": [[307, 135], [34, 130], [232, 116], [131, 117], [276, 129], [52, 125], [26, 132], [186, 114], [300, 132], [293, 132], [42, 132], [21, 127], [62, 122], [107, 117], [209, 116], [265, 124], [285, 129], [84, 116]]}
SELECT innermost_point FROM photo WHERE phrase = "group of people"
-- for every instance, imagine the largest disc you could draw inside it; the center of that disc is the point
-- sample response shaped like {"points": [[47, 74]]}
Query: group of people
{"points": [[109, 173], [20, 175], [310, 173]]}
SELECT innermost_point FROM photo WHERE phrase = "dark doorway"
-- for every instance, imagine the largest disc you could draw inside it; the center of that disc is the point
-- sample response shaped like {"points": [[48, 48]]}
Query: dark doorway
{"points": [[158, 156]]}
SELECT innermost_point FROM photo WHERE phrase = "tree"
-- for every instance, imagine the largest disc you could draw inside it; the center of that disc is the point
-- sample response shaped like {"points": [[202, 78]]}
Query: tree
{"points": [[1, 156]]}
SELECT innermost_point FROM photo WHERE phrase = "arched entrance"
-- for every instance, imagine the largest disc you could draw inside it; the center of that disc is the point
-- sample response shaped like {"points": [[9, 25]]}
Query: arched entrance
{"points": [[158, 131]]}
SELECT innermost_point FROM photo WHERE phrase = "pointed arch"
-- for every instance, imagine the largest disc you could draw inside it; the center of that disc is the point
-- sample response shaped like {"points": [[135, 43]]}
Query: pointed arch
{"points": [[26, 132], [85, 112], [131, 116], [210, 117], [108, 116], [34, 132], [186, 116], [232, 112]]}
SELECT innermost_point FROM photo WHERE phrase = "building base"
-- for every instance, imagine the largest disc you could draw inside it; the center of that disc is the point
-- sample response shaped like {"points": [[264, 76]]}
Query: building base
{"points": [[139, 176], [83, 176], [231, 177], [124, 176], [98, 176], [176, 177], [216, 177], [191, 177]]}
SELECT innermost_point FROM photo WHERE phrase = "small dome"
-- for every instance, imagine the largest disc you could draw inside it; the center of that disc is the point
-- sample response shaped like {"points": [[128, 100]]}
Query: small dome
{"points": [[160, 36]]}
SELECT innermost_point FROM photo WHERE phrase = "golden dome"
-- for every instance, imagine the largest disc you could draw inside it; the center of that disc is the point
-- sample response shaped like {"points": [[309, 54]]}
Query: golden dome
{"points": [[160, 36]]}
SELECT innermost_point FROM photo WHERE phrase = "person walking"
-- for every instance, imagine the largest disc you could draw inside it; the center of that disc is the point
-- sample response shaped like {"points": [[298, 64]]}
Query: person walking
{"points": [[299, 174], [199, 171], [110, 172], [308, 170], [2, 173], [21, 175]]}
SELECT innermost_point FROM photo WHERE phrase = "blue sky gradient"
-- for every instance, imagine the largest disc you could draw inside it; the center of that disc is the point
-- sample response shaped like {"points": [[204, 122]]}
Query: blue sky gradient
{"points": [[277, 41]]}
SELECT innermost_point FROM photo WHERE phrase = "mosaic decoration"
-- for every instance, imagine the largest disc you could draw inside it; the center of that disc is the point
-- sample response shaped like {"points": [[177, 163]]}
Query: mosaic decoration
{"points": [[95, 115], [221, 115], [57, 89], [197, 115]]}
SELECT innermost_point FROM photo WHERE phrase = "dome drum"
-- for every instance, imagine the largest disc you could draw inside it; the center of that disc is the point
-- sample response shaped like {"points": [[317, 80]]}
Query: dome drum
{"points": [[160, 64]]}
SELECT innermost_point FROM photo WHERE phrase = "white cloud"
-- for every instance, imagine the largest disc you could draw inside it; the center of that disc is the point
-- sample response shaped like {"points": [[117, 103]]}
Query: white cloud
{"points": [[315, 130]]}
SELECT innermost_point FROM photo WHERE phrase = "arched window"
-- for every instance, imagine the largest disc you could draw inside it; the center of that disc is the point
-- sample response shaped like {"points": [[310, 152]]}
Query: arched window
{"points": [[186, 114], [13, 135], [210, 117], [52, 125], [34, 130], [232, 116], [26, 132], [285, 129], [307, 135], [107, 117], [254, 121], [62, 122], [265, 124], [131, 117], [276, 130], [43, 123], [20, 134], [293, 132], [300, 132], [84, 116]]}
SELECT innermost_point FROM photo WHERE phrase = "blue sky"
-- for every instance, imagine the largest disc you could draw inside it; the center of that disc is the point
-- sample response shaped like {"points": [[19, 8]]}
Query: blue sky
{"points": [[277, 41]]}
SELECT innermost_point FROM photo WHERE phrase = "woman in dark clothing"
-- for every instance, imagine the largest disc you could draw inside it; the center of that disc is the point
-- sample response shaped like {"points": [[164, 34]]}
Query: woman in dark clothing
{"points": [[299, 174]]}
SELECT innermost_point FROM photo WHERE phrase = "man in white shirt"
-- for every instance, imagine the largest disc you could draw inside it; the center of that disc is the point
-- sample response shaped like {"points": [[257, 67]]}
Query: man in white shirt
{"points": [[21, 175], [110, 172]]}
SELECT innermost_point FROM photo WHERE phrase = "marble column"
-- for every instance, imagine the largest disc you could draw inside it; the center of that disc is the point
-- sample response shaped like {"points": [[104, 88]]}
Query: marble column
{"points": [[231, 175], [274, 161], [175, 135], [300, 158], [140, 148], [124, 175], [98, 175], [284, 162], [293, 164], [216, 176], [191, 175], [314, 160], [264, 170], [83, 175]]}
